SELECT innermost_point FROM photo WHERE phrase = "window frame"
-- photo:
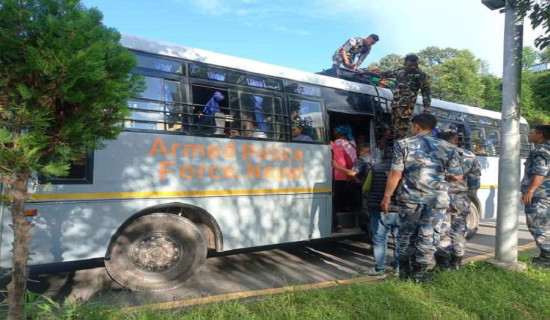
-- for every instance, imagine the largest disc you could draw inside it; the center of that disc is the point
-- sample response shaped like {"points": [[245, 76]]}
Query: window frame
{"points": [[88, 178], [324, 120]]}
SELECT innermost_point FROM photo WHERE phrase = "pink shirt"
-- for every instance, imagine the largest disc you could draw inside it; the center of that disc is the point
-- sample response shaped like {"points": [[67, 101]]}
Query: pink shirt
{"points": [[341, 157]]}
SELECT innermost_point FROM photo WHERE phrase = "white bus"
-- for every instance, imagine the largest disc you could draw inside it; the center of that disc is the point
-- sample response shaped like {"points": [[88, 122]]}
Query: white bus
{"points": [[207, 161]]}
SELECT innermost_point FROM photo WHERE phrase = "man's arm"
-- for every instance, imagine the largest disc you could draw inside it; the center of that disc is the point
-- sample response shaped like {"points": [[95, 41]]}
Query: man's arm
{"points": [[393, 180], [535, 182], [454, 167], [347, 63], [360, 60], [347, 171], [426, 91], [388, 74], [540, 169]]}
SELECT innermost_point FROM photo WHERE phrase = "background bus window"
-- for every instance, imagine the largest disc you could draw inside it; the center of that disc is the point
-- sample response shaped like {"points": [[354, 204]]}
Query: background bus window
{"points": [[461, 131], [477, 141], [493, 141], [165, 65], [308, 116], [210, 110]]}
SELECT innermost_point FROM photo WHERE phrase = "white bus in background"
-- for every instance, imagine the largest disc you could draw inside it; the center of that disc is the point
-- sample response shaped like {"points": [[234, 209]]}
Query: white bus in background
{"points": [[179, 181]]}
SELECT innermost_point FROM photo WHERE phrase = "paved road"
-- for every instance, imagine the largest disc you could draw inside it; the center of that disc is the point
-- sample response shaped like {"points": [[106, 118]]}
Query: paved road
{"points": [[237, 272]]}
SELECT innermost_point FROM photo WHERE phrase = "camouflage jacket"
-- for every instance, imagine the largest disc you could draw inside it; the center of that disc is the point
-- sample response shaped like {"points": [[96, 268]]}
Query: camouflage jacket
{"points": [[407, 86], [425, 162], [472, 173], [538, 163], [354, 48]]}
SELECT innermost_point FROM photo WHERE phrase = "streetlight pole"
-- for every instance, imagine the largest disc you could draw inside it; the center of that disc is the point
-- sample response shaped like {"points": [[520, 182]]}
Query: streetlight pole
{"points": [[508, 206]]}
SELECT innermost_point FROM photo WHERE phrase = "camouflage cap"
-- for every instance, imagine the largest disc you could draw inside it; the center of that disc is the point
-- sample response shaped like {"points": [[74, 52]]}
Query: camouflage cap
{"points": [[447, 128]]}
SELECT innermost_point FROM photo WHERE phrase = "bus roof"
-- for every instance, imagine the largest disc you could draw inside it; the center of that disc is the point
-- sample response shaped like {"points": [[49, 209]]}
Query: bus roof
{"points": [[172, 50]]}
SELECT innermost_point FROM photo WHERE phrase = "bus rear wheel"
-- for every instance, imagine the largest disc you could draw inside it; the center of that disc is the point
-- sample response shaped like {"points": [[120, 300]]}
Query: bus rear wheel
{"points": [[472, 223], [157, 251]]}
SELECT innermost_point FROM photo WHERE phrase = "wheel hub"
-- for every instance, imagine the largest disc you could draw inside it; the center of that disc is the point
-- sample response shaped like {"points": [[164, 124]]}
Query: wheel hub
{"points": [[157, 252]]}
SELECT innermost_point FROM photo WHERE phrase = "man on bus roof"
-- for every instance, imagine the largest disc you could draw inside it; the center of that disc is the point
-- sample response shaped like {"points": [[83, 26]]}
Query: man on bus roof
{"points": [[535, 187], [409, 79], [425, 164], [460, 192], [353, 48]]}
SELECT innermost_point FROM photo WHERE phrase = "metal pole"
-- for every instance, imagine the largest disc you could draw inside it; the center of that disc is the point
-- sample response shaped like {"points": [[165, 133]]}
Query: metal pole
{"points": [[509, 162]]}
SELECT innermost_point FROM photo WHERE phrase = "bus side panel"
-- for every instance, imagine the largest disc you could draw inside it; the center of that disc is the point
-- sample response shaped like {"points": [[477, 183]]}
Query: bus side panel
{"points": [[260, 192], [82, 230]]}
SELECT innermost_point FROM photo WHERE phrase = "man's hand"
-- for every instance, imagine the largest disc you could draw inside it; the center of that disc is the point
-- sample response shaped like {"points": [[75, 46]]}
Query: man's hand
{"points": [[527, 198], [355, 66], [349, 65], [385, 205]]}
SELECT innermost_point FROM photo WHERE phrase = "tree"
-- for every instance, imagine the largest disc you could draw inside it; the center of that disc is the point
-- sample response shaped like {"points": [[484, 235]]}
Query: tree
{"points": [[391, 61], [539, 14], [433, 56], [64, 83], [458, 79], [545, 56], [529, 57], [492, 93], [533, 112]]}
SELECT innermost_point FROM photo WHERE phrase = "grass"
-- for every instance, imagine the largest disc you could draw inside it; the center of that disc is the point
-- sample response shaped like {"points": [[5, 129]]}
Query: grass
{"points": [[478, 291]]}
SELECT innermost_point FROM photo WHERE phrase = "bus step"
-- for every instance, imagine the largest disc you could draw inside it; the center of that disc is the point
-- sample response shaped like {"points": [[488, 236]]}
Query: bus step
{"points": [[348, 219]]}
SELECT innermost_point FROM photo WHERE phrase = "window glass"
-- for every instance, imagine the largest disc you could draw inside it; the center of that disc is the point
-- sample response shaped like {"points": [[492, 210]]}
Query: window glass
{"points": [[306, 120], [153, 88], [235, 77], [299, 88], [80, 172], [172, 91], [165, 65]]}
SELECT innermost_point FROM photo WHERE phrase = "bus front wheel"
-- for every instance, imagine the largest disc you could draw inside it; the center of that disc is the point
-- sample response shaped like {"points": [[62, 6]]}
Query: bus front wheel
{"points": [[157, 251]]}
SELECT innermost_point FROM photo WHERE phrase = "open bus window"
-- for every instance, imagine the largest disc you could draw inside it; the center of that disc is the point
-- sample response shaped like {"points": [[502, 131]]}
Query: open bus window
{"points": [[493, 141], [259, 116], [210, 110], [307, 120], [477, 141], [80, 172]]}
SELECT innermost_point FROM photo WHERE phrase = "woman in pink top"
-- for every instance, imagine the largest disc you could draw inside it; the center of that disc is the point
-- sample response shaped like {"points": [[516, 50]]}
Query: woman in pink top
{"points": [[344, 138]]}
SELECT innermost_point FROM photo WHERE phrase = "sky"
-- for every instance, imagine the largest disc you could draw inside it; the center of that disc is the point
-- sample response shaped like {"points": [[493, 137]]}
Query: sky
{"points": [[303, 34]]}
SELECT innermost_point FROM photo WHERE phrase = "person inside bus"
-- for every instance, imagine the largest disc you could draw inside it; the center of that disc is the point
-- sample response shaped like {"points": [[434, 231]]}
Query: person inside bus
{"points": [[250, 128], [344, 138], [339, 186], [354, 48], [297, 134], [206, 119], [350, 194]]}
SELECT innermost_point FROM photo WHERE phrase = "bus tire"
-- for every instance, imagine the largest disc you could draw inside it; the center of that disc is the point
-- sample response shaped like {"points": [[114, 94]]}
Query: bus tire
{"points": [[156, 251], [472, 223]]}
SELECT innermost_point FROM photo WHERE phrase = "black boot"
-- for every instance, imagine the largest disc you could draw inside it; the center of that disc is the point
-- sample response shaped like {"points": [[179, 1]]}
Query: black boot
{"points": [[455, 262], [442, 263], [420, 273], [542, 261], [404, 269]]}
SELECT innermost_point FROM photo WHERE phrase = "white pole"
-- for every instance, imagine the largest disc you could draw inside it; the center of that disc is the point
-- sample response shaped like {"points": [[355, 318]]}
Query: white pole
{"points": [[509, 162]]}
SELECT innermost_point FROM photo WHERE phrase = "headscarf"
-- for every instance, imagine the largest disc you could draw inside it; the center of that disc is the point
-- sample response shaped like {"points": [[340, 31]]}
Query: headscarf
{"points": [[345, 130]]}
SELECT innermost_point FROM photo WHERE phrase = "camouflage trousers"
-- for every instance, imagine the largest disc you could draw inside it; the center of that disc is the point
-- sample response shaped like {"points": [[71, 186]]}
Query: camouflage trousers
{"points": [[456, 217], [538, 221], [419, 232], [401, 116]]}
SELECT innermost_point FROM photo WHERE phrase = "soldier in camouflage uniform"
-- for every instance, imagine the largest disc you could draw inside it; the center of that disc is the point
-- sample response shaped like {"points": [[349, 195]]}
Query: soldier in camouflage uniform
{"points": [[425, 164], [409, 79], [353, 48], [535, 187], [459, 209]]}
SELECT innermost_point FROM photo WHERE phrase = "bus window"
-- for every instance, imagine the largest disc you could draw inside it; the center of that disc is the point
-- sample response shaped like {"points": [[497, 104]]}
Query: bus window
{"points": [[493, 141], [460, 127], [80, 172], [165, 65], [258, 116], [476, 140], [307, 120], [158, 107], [210, 108]]}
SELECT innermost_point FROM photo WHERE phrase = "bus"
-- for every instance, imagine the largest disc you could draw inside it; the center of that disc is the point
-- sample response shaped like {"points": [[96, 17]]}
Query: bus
{"points": [[211, 160]]}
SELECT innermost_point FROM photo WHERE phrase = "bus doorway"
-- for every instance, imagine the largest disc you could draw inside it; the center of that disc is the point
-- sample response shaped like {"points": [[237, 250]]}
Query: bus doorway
{"points": [[347, 133]]}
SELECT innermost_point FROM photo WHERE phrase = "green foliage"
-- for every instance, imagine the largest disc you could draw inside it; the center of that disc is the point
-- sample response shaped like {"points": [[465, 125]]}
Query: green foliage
{"points": [[535, 97], [529, 57], [492, 92], [539, 14], [545, 56], [64, 84], [391, 61]]}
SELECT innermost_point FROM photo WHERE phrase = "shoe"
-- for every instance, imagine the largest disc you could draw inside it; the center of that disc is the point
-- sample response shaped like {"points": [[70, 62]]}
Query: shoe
{"points": [[456, 262], [542, 261], [420, 273], [375, 273], [395, 272], [404, 269], [442, 262]]}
